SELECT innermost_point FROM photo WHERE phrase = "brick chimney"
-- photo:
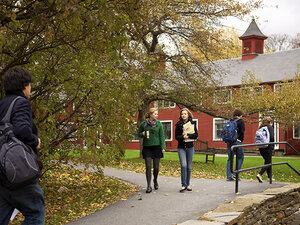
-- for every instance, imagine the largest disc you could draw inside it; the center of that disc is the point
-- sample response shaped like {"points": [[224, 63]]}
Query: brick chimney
{"points": [[253, 42]]}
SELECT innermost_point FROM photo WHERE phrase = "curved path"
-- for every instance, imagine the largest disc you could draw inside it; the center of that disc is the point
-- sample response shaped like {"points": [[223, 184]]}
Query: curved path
{"points": [[167, 206]]}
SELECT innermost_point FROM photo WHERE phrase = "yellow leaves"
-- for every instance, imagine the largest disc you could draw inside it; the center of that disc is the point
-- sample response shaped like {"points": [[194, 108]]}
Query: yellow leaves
{"points": [[281, 100], [71, 194]]}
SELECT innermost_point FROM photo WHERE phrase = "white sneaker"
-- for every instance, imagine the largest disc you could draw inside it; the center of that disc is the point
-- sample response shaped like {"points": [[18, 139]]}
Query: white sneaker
{"points": [[259, 178]]}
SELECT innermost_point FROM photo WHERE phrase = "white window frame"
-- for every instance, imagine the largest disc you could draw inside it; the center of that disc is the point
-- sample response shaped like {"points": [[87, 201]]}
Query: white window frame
{"points": [[137, 129], [162, 121], [294, 137], [216, 98], [197, 125], [167, 121], [171, 105], [280, 85], [276, 133], [65, 128], [277, 85], [252, 89], [214, 128]]}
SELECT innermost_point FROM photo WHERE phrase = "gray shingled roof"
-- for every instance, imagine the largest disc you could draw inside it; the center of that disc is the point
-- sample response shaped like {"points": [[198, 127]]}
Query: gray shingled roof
{"points": [[253, 30], [271, 67]]}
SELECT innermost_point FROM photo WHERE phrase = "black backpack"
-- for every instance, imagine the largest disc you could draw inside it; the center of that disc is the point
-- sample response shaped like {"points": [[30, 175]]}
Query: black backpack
{"points": [[19, 164]]}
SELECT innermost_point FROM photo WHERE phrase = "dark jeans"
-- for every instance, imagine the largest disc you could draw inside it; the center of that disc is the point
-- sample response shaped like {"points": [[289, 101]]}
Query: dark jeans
{"points": [[240, 156], [28, 200], [266, 153]]}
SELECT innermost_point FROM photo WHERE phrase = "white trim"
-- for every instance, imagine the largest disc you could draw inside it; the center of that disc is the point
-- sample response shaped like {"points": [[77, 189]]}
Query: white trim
{"points": [[219, 90], [162, 104], [296, 138], [137, 129], [281, 85], [162, 121], [275, 85], [276, 127], [197, 125], [276, 133], [214, 130], [252, 89], [167, 121]]}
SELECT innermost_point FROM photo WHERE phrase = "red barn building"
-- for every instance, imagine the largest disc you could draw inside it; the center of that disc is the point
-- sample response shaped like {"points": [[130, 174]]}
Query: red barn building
{"points": [[269, 68]]}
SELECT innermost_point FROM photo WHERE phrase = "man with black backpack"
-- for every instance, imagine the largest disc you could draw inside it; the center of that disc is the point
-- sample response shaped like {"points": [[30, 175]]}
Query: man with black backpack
{"points": [[28, 199], [233, 134]]}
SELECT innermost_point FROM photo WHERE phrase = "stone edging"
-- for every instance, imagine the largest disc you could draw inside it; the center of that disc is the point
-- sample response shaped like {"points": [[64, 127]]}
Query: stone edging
{"points": [[273, 206]]}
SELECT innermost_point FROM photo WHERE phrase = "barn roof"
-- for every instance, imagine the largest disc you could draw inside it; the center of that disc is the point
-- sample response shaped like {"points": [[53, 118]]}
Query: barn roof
{"points": [[271, 67]]}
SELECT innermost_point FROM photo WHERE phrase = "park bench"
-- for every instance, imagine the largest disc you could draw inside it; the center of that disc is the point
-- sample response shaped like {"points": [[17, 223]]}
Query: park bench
{"points": [[201, 147]]}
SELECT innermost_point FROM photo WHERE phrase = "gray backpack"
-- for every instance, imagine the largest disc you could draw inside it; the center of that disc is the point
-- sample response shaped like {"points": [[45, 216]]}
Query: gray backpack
{"points": [[262, 136], [19, 164]]}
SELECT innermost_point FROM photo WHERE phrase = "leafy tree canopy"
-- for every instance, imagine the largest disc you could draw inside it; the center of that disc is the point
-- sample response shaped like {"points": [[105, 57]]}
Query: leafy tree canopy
{"points": [[96, 62], [86, 87]]}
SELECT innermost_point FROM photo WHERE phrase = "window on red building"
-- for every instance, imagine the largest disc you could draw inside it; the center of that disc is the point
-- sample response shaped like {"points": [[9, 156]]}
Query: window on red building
{"points": [[296, 131], [222, 96], [252, 90], [164, 104], [167, 124], [218, 124]]}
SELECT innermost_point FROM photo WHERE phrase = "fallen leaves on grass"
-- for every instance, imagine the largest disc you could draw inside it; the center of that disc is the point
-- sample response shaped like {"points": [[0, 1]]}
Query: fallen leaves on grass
{"points": [[71, 194]]}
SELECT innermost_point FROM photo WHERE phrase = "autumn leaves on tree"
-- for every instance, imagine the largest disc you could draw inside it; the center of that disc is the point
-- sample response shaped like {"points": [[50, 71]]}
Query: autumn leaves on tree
{"points": [[96, 63]]}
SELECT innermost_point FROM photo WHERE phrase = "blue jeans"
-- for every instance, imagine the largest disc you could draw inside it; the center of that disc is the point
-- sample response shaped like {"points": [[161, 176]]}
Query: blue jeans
{"points": [[28, 200], [240, 157], [186, 158]]}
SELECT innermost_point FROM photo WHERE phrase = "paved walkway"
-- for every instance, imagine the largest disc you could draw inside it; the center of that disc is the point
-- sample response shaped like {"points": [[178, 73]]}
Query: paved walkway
{"points": [[167, 206]]}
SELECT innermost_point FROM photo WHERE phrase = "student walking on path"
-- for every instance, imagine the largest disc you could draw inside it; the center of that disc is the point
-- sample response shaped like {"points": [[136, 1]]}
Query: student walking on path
{"points": [[266, 152], [152, 132], [185, 133], [27, 199], [237, 116]]}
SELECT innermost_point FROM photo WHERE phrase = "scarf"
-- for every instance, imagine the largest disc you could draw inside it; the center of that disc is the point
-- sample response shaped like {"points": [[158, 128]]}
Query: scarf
{"points": [[148, 123]]}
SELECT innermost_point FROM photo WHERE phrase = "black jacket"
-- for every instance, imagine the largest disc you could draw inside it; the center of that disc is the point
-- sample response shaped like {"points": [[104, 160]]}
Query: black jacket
{"points": [[21, 118], [271, 131], [240, 128], [179, 136]]}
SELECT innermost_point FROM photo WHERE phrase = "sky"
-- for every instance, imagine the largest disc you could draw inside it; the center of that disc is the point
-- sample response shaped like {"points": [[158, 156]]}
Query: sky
{"points": [[276, 17]]}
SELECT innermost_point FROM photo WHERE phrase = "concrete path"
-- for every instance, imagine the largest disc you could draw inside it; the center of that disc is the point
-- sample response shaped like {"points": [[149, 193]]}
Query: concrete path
{"points": [[167, 206]]}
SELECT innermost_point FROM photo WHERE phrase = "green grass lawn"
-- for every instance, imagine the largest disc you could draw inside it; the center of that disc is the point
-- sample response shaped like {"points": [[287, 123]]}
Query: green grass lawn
{"points": [[170, 166]]}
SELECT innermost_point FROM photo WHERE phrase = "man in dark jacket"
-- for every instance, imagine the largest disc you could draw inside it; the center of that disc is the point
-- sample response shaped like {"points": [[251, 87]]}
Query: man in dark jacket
{"points": [[237, 115], [28, 199]]}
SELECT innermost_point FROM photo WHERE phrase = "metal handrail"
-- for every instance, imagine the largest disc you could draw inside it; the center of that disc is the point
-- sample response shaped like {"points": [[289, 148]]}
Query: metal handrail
{"points": [[237, 171]]}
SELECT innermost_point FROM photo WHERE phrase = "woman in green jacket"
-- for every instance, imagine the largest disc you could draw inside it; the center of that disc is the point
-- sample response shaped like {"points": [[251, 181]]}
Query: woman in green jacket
{"points": [[152, 132]]}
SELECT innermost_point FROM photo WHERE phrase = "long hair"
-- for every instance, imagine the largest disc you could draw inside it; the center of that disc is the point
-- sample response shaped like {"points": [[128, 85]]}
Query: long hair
{"points": [[150, 112], [189, 113], [266, 121]]}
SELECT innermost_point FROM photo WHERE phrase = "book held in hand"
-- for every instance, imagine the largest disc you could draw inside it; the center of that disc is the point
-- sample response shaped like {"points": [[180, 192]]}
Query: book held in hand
{"points": [[189, 129]]}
